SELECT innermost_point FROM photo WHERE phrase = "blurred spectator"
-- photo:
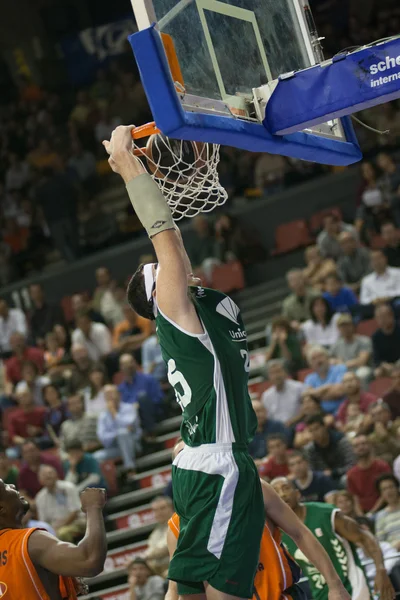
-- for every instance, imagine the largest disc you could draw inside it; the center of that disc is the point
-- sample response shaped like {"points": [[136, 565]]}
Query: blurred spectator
{"points": [[276, 463], [388, 519], [328, 239], [313, 485], [265, 428], [78, 377], [233, 242], [95, 337], [318, 268], [8, 471], [329, 451], [80, 302], [384, 437], [44, 316], [28, 478], [31, 379], [352, 350], [296, 306], [18, 173], [104, 285], [81, 468], [57, 411], [61, 215], [385, 341], [362, 477], [118, 429], [392, 396], [373, 209], [390, 182], [388, 120], [354, 396], [282, 401], [54, 355], [142, 390], [201, 245], [354, 262], [391, 237], [310, 405], [157, 554], [99, 230], [382, 285], [346, 504], [341, 299], [20, 354], [26, 421], [152, 360], [285, 345], [59, 505], [95, 402], [321, 328], [79, 426], [143, 584], [29, 521], [326, 380], [11, 320], [83, 163], [129, 334], [105, 125], [269, 172]]}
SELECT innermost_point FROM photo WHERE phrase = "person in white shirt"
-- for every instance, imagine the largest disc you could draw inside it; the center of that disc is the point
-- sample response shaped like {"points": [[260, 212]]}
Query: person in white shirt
{"points": [[59, 505], [322, 328], [95, 337], [383, 284], [11, 320], [283, 399]]}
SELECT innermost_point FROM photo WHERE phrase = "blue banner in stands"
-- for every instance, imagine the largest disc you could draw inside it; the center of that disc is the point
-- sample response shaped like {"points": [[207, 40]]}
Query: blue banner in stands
{"points": [[87, 51], [347, 84]]}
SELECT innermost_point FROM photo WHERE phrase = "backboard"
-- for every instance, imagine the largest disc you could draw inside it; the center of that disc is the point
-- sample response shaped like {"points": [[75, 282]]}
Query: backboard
{"points": [[227, 51]]}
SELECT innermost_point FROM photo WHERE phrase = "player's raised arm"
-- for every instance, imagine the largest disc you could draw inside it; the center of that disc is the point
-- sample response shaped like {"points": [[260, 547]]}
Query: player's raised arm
{"points": [[350, 530], [84, 560], [155, 216], [285, 518]]}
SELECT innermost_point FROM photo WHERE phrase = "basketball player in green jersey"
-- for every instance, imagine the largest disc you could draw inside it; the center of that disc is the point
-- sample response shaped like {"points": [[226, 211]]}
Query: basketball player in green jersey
{"points": [[337, 534]]}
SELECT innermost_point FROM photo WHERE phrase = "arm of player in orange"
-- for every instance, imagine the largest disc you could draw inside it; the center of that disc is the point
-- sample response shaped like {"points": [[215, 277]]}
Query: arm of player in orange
{"points": [[172, 592], [285, 518], [84, 560], [350, 530]]}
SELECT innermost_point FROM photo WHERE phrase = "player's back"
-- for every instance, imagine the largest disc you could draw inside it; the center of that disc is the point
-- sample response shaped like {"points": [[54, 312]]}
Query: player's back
{"points": [[20, 579], [209, 371]]}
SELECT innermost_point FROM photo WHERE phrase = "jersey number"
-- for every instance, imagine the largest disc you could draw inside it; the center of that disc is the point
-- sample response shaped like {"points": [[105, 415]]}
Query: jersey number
{"points": [[246, 358], [182, 389]]}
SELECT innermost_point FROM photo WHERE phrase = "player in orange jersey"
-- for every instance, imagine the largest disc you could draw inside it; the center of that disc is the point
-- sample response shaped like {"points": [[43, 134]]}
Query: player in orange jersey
{"points": [[34, 565], [278, 573]]}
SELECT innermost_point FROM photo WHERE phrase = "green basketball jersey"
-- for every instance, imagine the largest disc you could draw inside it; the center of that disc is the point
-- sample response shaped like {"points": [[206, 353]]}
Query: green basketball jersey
{"points": [[209, 372], [320, 520]]}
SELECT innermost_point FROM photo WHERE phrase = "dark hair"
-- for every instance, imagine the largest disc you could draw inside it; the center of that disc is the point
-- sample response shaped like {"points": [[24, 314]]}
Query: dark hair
{"points": [[140, 561], [136, 294], [385, 477], [281, 322], [328, 309], [31, 364], [298, 454], [333, 276], [30, 441], [311, 419], [73, 445], [98, 367], [50, 385], [331, 215], [83, 312], [281, 437]]}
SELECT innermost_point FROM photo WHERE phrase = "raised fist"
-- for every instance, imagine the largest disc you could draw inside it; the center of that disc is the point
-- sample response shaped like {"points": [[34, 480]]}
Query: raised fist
{"points": [[93, 498]]}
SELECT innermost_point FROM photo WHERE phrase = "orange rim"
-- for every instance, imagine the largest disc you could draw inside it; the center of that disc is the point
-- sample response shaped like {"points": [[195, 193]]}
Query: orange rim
{"points": [[145, 130]]}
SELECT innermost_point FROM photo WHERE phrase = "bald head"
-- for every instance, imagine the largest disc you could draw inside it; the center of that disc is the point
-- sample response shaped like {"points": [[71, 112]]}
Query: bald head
{"points": [[287, 491], [48, 476]]}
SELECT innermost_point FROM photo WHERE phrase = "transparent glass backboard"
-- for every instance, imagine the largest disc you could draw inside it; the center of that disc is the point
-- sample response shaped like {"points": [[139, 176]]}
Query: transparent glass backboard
{"points": [[227, 48]]}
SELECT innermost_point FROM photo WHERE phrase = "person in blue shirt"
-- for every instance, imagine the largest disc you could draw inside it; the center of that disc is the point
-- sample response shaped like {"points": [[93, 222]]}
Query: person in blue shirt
{"points": [[341, 298], [143, 390], [118, 430], [152, 360], [326, 379], [314, 486], [81, 468], [266, 427]]}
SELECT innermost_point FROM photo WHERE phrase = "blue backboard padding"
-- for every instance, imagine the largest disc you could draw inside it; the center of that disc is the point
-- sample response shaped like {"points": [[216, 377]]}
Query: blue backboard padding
{"points": [[174, 122], [351, 83]]}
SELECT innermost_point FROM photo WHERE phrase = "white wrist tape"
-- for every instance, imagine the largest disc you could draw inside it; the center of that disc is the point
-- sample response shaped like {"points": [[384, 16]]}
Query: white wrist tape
{"points": [[149, 204]]}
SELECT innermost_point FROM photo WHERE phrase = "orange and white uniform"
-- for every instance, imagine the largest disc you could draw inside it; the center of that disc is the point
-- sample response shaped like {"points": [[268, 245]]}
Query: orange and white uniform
{"points": [[277, 571], [19, 579]]}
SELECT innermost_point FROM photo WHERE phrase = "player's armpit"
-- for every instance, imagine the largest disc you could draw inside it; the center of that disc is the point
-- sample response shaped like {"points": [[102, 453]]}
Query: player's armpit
{"points": [[62, 558], [172, 282]]}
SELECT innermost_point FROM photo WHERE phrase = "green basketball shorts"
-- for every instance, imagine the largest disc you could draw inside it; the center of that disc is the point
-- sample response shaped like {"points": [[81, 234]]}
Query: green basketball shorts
{"points": [[218, 497]]}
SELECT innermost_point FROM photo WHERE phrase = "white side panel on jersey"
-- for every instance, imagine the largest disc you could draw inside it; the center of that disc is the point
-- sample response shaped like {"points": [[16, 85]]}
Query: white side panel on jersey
{"points": [[223, 426]]}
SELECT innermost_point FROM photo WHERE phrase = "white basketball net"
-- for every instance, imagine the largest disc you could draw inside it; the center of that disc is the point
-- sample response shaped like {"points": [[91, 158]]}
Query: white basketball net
{"points": [[189, 188]]}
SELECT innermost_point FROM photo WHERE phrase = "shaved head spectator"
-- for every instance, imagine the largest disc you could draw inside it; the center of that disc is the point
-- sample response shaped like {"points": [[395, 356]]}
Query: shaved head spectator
{"points": [[354, 263]]}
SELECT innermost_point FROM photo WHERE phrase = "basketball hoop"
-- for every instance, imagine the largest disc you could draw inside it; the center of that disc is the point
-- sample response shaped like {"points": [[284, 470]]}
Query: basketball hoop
{"points": [[185, 171]]}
